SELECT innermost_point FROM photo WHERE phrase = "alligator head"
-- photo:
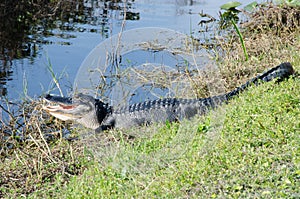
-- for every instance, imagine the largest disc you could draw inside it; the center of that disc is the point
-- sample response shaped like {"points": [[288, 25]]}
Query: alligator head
{"points": [[82, 109]]}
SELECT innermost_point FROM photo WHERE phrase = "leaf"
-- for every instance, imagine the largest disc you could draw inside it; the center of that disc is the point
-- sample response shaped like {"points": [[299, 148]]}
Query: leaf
{"points": [[294, 3], [251, 6], [230, 5]]}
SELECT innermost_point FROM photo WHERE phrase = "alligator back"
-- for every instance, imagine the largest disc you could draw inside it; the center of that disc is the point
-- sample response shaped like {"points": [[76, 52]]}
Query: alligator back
{"points": [[173, 109]]}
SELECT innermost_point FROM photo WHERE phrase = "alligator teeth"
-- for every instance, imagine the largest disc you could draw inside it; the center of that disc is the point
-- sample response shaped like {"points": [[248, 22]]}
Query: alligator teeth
{"points": [[58, 111]]}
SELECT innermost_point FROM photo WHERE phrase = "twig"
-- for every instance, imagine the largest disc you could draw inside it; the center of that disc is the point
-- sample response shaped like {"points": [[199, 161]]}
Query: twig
{"points": [[5, 110], [122, 29], [37, 144], [46, 144]]}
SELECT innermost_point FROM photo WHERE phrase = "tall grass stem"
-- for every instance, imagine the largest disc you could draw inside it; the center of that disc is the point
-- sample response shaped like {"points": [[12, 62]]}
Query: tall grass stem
{"points": [[241, 39], [55, 80]]}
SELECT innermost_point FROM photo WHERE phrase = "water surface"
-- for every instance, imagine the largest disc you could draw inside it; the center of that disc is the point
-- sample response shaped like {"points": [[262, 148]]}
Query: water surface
{"points": [[65, 43]]}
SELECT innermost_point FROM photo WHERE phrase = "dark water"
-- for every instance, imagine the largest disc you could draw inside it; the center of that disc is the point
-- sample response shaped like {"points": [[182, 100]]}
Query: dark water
{"points": [[28, 48]]}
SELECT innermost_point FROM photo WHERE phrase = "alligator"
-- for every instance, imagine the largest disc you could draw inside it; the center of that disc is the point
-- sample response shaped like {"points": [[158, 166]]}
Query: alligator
{"points": [[95, 114]]}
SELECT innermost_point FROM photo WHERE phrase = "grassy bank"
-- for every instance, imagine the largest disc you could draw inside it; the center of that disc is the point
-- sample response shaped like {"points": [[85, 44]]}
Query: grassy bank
{"points": [[247, 148], [254, 154]]}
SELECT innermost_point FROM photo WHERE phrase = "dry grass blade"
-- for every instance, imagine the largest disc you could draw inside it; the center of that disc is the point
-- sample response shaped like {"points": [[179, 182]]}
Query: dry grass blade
{"points": [[277, 19], [31, 153], [267, 34]]}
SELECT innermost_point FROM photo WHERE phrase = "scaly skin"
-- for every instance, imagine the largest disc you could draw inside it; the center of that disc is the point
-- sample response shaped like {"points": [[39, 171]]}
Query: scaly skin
{"points": [[95, 114]]}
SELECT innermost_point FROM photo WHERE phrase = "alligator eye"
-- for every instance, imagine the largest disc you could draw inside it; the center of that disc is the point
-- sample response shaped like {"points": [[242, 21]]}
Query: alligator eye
{"points": [[48, 96]]}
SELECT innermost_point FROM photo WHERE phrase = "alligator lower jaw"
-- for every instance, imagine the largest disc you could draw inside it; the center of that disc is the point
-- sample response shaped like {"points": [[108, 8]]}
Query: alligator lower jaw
{"points": [[59, 111], [59, 107]]}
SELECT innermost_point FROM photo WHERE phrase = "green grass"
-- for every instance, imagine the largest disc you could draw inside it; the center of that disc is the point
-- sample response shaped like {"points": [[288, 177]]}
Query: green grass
{"points": [[248, 148], [254, 153]]}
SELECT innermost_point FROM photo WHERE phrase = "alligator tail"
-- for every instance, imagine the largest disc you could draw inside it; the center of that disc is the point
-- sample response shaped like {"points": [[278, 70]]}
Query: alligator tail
{"points": [[280, 72]]}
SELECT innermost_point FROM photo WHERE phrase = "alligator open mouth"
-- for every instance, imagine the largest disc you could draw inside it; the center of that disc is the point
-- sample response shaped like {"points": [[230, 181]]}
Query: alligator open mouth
{"points": [[60, 107]]}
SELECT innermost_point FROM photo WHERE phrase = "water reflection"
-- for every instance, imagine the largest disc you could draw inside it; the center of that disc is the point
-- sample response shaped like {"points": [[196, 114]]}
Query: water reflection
{"points": [[66, 31], [26, 26]]}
